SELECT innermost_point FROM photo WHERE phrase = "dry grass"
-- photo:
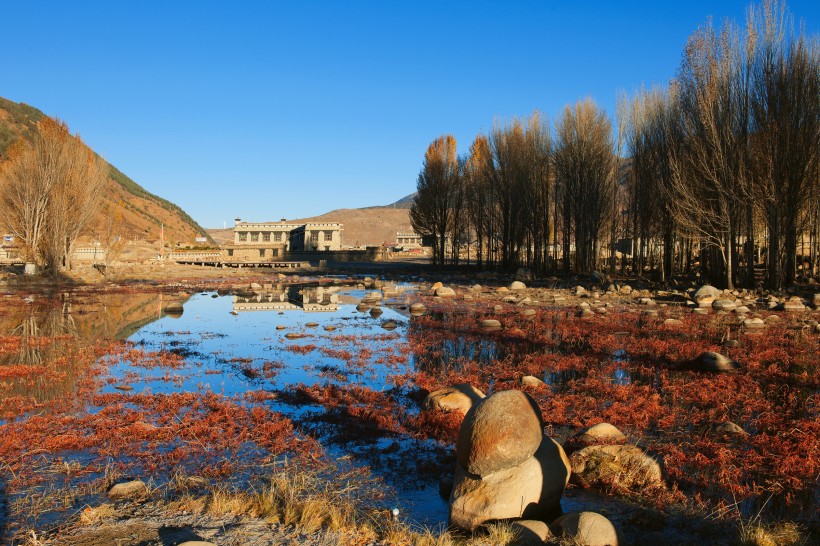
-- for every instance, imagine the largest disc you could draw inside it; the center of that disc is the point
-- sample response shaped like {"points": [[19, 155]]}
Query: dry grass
{"points": [[91, 516], [755, 533]]}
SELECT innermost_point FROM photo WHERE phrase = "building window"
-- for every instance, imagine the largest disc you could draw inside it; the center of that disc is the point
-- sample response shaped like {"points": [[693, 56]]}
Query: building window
{"points": [[230, 252], [266, 236], [261, 252], [243, 236], [275, 252], [254, 237], [314, 237], [327, 247], [277, 237], [328, 235]]}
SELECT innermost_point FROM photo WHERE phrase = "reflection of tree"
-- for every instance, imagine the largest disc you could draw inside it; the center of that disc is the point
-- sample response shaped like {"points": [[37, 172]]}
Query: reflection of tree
{"points": [[52, 334], [445, 349]]}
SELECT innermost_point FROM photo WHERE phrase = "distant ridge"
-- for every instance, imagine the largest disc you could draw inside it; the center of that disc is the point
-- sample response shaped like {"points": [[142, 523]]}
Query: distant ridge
{"points": [[139, 213], [404, 202]]}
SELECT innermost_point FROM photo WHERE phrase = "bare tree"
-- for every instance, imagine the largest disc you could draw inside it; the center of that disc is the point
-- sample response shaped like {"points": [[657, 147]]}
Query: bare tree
{"points": [[50, 190], [584, 166], [437, 193]]}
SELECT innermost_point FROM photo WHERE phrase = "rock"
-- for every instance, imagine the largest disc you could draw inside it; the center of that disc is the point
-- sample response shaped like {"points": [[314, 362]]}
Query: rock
{"points": [[711, 361], [518, 285], [530, 381], [329, 328], [294, 335], [376, 312], [530, 532], [389, 325], [794, 305], [362, 307], [135, 489], [587, 529], [311, 324], [445, 292], [724, 305], [491, 324], [730, 429], [672, 322], [197, 543], [816, 301], [529, 313], [502, 290], [174, 310], [586, 314], [417, 309], [458, 398], [436, 286], [530, 490], [705, 295], [625, 289], [476, 288], [501, 431], [580, 290], [754, 323], [524, 274], [599, 434], [701, 310], [623, 465], [646, 301], [771, 319]]}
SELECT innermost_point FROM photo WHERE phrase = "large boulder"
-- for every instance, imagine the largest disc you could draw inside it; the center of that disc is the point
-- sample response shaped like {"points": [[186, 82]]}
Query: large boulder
{"points": [[587, 529], [724, 305], [458, 398], [705, 295], [530, 490], [620, 465], [518, 285], [501, 431]]}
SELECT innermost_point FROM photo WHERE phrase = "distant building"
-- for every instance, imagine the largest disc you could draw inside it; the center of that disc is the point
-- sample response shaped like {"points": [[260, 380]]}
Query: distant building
{"points": [[272, 241], [408, 240]]}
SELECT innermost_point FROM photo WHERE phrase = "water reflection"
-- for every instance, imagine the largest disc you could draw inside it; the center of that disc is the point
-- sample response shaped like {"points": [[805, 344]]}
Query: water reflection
{"points": [[290, 298]]}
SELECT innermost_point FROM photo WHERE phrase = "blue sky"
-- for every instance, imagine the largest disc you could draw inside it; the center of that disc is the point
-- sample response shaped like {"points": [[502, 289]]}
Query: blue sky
{"points": [[265, 110]]}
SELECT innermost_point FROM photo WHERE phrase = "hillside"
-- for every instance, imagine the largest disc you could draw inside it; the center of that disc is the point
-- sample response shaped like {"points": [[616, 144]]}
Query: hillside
{"points": [[137, 213]]}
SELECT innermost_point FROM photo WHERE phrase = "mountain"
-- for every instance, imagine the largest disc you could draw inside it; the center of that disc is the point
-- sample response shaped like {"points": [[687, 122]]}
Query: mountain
{"points": [[403, 203], [138, 213]]}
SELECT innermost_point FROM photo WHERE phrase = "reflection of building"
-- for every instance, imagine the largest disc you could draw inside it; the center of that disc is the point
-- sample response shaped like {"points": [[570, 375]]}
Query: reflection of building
{"points": [[272, 241], [288, 299]]}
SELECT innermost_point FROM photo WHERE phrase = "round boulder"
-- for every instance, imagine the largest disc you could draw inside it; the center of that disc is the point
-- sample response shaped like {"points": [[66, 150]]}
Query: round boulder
{"points": [[530, 532], [501, 431], [518, 285], [445, 292], [602, 433], [724, 305], [530, 490], [135, 489], [491, 324], [458, 398], [530, 381], [588, 529], [711, 361], [417, 309]]}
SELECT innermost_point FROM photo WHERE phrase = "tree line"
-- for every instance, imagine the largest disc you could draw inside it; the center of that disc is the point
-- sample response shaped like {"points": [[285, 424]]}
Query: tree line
{"points": [[50, 188], [717, 172]]}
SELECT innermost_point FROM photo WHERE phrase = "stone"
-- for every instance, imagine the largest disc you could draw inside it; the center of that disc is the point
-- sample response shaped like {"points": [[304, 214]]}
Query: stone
{"points": [[625, 289], [598, 434], [524, 274], [816, 301], [622, 465], [476, 288], [587, 529], [311, 325], [529, 490], [646, 301], [730, 429], [501, 431], [794, 305], [711, 361], [530, 381], [490, 324], [530, 532], [174, 310], [417, 309], [580, 290], [376, 312], [672, 322], [518, 285], [724, 305], [529, 313], [458, 398], [445, 292], [135, 489], [771, 319], [389, 325], [705, 295], [329, 328], [436, 286], [586, 314], [754, 323], [701, 310], [294, 335], [197, 543], [362, 307]]}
